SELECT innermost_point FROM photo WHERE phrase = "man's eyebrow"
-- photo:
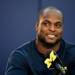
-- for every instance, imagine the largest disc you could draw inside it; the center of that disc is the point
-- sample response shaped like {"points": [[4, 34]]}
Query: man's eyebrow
{"points": [[47, 21], [59, 22]]}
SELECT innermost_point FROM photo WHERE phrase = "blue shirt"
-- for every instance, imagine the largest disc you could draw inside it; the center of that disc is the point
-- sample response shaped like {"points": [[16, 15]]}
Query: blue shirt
{"points": [[26, 60]]}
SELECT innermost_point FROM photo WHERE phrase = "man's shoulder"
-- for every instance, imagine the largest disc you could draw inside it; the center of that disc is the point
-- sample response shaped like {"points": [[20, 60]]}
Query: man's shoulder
{"points": [[26, 45], [70, 48], [24, 49]]}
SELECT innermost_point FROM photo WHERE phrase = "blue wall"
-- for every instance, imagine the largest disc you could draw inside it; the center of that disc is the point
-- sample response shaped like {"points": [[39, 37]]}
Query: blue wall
{"points": [[18, 18]]}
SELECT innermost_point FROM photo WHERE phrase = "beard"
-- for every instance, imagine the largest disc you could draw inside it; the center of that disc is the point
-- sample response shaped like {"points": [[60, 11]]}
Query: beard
{"points": [[47, 44]]}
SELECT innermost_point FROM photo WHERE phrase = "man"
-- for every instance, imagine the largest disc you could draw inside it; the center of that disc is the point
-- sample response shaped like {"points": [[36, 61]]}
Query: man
{"points": [[29, 59]]}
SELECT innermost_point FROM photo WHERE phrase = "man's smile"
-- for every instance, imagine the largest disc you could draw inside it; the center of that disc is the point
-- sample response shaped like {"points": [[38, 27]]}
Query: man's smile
{"points": [[51, 36]]}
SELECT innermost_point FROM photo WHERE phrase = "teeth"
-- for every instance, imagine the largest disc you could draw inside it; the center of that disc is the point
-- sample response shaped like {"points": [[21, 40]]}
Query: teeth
{"points": [[52, 36]]}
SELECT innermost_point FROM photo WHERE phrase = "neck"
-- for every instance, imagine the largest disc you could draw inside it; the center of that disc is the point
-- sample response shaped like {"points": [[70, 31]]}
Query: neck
{"points": [[45, 50]]}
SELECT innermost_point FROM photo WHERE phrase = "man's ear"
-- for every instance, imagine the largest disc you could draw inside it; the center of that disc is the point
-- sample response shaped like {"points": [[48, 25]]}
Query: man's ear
{"points": [[36, 27]]}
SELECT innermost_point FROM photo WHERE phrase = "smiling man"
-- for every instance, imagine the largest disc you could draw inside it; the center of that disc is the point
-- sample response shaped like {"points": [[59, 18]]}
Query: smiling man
{"points": [[29, 58], [49, 29]]}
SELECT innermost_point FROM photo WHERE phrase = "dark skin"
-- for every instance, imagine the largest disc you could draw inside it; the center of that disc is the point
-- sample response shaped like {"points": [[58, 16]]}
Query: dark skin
{"points": [[49, 31]]}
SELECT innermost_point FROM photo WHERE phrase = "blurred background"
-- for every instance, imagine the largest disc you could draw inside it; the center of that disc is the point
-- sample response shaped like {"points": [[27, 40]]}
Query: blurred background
{"points": [[18, 19]]}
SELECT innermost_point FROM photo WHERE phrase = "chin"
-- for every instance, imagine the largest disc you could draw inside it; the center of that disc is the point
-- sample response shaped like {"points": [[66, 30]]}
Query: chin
{"points": [[51, 41], [49, 44], [48, 41]]}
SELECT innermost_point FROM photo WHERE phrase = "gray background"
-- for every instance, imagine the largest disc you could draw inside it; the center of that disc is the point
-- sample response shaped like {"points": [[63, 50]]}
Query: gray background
{"points": [[17, 23]]}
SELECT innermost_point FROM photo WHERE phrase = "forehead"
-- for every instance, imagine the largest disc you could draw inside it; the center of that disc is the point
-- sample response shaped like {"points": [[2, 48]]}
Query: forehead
{"points": [[51, 15]]}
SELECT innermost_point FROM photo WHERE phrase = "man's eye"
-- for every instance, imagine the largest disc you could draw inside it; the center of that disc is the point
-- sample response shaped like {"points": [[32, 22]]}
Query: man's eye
{"points": [[58, 25], [45, 23]]}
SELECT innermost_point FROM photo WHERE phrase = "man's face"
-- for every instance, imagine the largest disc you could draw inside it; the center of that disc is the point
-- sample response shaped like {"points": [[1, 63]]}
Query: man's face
{"points": [[50, 27]]}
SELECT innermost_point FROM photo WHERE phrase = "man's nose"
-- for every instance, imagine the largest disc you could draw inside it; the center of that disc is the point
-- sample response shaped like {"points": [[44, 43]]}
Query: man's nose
{"points": [[52, 27]]}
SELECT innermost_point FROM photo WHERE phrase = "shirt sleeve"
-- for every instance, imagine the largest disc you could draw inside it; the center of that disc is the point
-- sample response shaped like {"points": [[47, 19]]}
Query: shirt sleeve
{"points": [[17, 64]]}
